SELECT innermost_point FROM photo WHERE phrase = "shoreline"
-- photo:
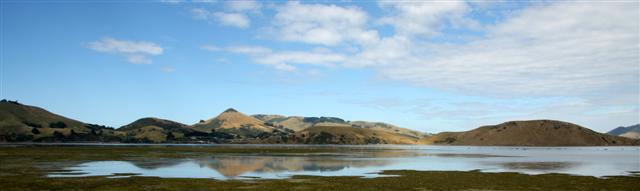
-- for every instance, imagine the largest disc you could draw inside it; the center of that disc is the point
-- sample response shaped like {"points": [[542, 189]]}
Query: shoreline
{"points": [[289, 145], [26, 167], [398, 180]]}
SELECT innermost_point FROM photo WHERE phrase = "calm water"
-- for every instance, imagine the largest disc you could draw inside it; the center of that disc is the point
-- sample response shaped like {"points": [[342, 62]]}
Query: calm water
{"points": [[367, 161]]}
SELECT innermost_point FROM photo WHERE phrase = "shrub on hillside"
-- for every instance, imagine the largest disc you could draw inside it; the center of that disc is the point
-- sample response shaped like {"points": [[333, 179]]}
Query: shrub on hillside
{"points": [[58, 124]]}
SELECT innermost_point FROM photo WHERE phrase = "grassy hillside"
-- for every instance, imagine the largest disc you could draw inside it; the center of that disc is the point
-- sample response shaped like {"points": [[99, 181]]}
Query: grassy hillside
{"points": [[388, 128], [297, 124], [20, 122], [155, 130], [23, 123], [631, 135], [236, 123], [350, 135], [529, 133], [622, 130]]}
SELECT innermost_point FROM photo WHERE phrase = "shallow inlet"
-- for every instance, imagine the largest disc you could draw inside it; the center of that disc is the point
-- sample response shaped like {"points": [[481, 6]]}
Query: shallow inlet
{"points": [[367, 161]]}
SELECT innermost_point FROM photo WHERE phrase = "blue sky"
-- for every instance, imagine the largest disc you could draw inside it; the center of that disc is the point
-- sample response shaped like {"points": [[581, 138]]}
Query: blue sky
{"points": [[431, 66]]}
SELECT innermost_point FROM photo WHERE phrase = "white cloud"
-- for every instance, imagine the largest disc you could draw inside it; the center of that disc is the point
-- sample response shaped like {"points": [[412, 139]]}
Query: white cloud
{"points": [[138, 59], [586, 54], [547, 49], [204, 1], [200, 13], [176, 2], [243, 6], [112, 45], [587, 48], [167, 69], [249, 50], [284, 60], [233, 19], [322, 24], [211, 48], [135, 51], [424, 17], [172, 1], [579, 55]]}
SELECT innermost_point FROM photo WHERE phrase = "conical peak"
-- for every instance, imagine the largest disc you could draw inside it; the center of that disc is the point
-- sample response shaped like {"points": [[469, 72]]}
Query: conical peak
{"points": [[230, 110]]}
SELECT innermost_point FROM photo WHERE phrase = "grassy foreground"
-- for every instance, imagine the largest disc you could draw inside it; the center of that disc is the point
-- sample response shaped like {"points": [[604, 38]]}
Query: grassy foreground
{"points": [[24, 168]]}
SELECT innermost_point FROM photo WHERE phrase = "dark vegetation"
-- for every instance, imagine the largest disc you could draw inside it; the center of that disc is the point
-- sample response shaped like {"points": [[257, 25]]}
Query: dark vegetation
{"points": [[9, 101], [315, 120], [58, 124]]}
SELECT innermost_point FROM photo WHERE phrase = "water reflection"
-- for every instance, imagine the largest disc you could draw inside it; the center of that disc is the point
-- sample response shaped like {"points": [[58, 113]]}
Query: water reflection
{"points": [[541, 166], [227, 166], [233, 166], [367, 163]]}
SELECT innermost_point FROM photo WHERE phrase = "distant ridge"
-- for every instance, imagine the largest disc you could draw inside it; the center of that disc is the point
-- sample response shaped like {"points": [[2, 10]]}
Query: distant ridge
{"points": [[23, 123], [629, 131], [529, 133]]}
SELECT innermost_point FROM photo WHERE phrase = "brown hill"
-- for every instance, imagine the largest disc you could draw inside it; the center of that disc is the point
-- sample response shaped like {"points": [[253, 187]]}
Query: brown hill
{"points": [[631, 135], [295, 123], [349, 135], [155, 130], [529, 133], [233, 122], [388, 128], [267, 117], [19, 122], [298, 123]]}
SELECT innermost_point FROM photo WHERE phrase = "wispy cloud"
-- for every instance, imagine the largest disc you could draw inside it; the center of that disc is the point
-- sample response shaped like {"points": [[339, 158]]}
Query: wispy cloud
{"points": [[535, 47], [167, 69], [136, 52], [239, 20], [232, 19], [236, 13], [576, 51], [424, 18], [283, 60], [328, 25], [586, 49], [176, 2], [243, 6]]}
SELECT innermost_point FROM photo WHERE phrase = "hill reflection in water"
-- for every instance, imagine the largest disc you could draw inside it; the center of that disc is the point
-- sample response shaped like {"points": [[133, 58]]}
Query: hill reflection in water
{"points": [[590, 161], [232, 166]]}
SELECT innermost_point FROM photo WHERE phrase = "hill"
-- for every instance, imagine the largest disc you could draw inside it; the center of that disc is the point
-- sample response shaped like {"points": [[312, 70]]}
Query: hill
{"points": [[297, 124], [23, 123], [631, 135], [529, 133], [388, 128], [155, 130], [234, 122], [349, 135], [622, 130], [20, 122]]}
